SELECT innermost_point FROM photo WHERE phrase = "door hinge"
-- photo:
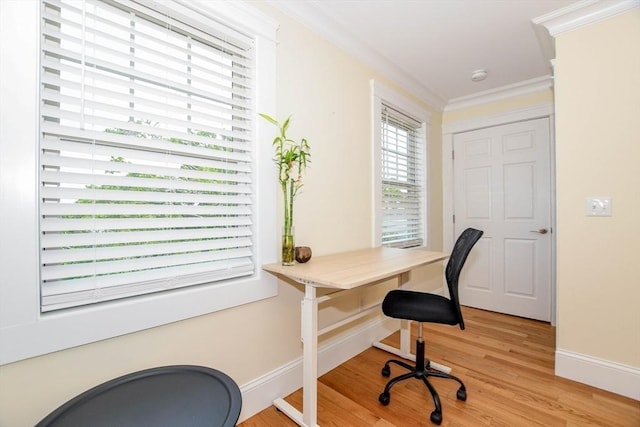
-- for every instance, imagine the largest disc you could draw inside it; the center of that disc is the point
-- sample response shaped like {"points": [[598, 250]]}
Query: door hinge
{"points": [[453, 155], [454, 218]]}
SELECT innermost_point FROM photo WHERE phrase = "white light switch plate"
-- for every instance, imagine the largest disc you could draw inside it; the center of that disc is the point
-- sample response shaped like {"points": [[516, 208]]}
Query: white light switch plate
{"points": [[598, 206]]}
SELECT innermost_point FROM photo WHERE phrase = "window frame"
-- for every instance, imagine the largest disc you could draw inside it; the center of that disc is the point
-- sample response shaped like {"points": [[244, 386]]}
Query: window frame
{"points": [[25, 331], [383, 95]]}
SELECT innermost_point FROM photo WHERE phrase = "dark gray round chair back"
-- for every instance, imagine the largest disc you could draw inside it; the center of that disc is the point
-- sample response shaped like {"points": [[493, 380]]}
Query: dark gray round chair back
{"points": [[458, 257], [173, 396]]}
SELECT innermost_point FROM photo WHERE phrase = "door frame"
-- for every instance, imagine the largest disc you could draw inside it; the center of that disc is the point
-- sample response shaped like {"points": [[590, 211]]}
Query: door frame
{"points": [[545, 110]]}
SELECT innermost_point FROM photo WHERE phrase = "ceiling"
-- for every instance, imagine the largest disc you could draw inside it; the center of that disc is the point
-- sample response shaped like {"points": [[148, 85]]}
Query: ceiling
{"points": [[437, 44]]}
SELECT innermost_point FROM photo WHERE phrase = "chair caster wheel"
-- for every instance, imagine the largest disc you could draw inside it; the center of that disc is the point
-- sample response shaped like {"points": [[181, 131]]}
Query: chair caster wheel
{"points": [[436, 417], [384, 398], [462, 394], [386, 371]]}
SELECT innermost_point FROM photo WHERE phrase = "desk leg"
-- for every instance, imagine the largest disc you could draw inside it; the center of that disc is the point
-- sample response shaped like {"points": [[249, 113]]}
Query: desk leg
{"points": [[310, 357], [405, 337], [309, 415]]}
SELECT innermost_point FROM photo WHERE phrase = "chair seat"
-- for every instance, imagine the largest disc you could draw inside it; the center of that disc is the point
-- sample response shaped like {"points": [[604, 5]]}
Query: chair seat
{"points": [[403, 304]]}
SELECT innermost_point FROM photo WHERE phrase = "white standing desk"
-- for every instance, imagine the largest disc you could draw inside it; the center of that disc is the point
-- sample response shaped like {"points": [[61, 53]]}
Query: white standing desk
{"points": [[343, 271]]}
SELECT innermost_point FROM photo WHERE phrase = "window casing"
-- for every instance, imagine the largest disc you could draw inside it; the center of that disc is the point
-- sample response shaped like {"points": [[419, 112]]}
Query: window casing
{"points": [[400, 170], [180, 177]]}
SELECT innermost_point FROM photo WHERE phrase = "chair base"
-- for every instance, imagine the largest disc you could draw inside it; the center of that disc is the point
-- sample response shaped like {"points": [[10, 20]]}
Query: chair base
{"points": [[423, 371]]}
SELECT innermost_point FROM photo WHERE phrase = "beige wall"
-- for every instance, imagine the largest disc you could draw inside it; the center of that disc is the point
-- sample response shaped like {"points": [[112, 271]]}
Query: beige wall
{"points": [[329, 94], [598, 150], [497, 107]]}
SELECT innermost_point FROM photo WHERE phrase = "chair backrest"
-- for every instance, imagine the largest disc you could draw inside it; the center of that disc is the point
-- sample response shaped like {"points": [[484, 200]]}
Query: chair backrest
{"points": [[168, 396], [459, 255]]}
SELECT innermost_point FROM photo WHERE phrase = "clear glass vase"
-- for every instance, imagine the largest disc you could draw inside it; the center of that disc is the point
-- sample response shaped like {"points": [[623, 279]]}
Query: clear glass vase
{"points": [[288, 247]]}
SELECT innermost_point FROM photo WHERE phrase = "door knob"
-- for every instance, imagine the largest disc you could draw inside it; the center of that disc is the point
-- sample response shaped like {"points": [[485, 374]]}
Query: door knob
{"points": [[540, 231]]}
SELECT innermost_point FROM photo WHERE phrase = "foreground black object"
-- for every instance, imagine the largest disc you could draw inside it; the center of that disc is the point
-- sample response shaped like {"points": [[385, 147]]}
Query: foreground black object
{"points": [[173, 396], [425, 307]]}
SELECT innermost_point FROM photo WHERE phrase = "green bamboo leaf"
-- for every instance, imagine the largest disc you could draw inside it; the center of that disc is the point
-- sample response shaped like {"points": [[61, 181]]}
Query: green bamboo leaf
{"points": [[268, 118], [285, 125]]}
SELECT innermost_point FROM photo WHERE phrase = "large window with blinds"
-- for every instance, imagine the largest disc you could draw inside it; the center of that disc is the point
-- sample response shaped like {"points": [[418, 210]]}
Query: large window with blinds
{"points": [[400, 139], [137, 187], [146, 164]]}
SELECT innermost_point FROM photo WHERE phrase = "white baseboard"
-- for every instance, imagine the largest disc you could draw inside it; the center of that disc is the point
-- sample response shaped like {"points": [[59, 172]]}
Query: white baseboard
{"points": [[261, 392], [610, 376]]}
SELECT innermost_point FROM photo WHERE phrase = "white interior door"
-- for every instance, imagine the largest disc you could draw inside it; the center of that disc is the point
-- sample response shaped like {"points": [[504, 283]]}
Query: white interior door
{"points": [[502, 185]]}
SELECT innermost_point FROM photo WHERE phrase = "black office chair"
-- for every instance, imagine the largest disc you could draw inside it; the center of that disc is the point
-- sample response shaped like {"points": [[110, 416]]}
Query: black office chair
{"points": [[425, 307], [167, 396]]}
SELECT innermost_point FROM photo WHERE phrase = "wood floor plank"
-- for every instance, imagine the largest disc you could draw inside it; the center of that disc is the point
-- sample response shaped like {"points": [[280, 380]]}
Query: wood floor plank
{"points": [[507, 364], [332, 402], [270, 417]]}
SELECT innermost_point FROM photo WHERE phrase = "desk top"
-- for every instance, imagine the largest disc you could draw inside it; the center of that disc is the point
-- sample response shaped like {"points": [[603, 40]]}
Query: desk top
{"points": [[348, 270]]}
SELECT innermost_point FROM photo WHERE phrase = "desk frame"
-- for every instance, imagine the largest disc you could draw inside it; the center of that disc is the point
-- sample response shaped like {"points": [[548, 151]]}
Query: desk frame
{"points": [[344, 271]]}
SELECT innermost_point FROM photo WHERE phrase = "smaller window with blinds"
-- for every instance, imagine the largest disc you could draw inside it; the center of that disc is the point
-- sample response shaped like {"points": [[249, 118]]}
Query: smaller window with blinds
{"points": [[402, 200]]}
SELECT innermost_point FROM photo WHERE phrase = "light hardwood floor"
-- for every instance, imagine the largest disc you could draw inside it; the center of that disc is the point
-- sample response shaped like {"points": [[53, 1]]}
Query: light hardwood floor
{"points": [[506, 364]]}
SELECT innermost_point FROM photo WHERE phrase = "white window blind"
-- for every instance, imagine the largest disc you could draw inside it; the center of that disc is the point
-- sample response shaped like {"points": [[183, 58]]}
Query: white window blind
{"points": [[402, 179], [146, 159]]}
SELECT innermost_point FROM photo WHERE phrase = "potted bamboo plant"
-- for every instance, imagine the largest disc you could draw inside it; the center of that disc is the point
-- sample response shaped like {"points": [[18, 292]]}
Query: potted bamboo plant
{"points": [[291, 158]]}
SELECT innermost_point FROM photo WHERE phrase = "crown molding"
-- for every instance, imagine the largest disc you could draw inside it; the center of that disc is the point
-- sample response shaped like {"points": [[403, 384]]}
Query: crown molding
{"points": [[583, 13], [311, 15], [505, 92]]}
